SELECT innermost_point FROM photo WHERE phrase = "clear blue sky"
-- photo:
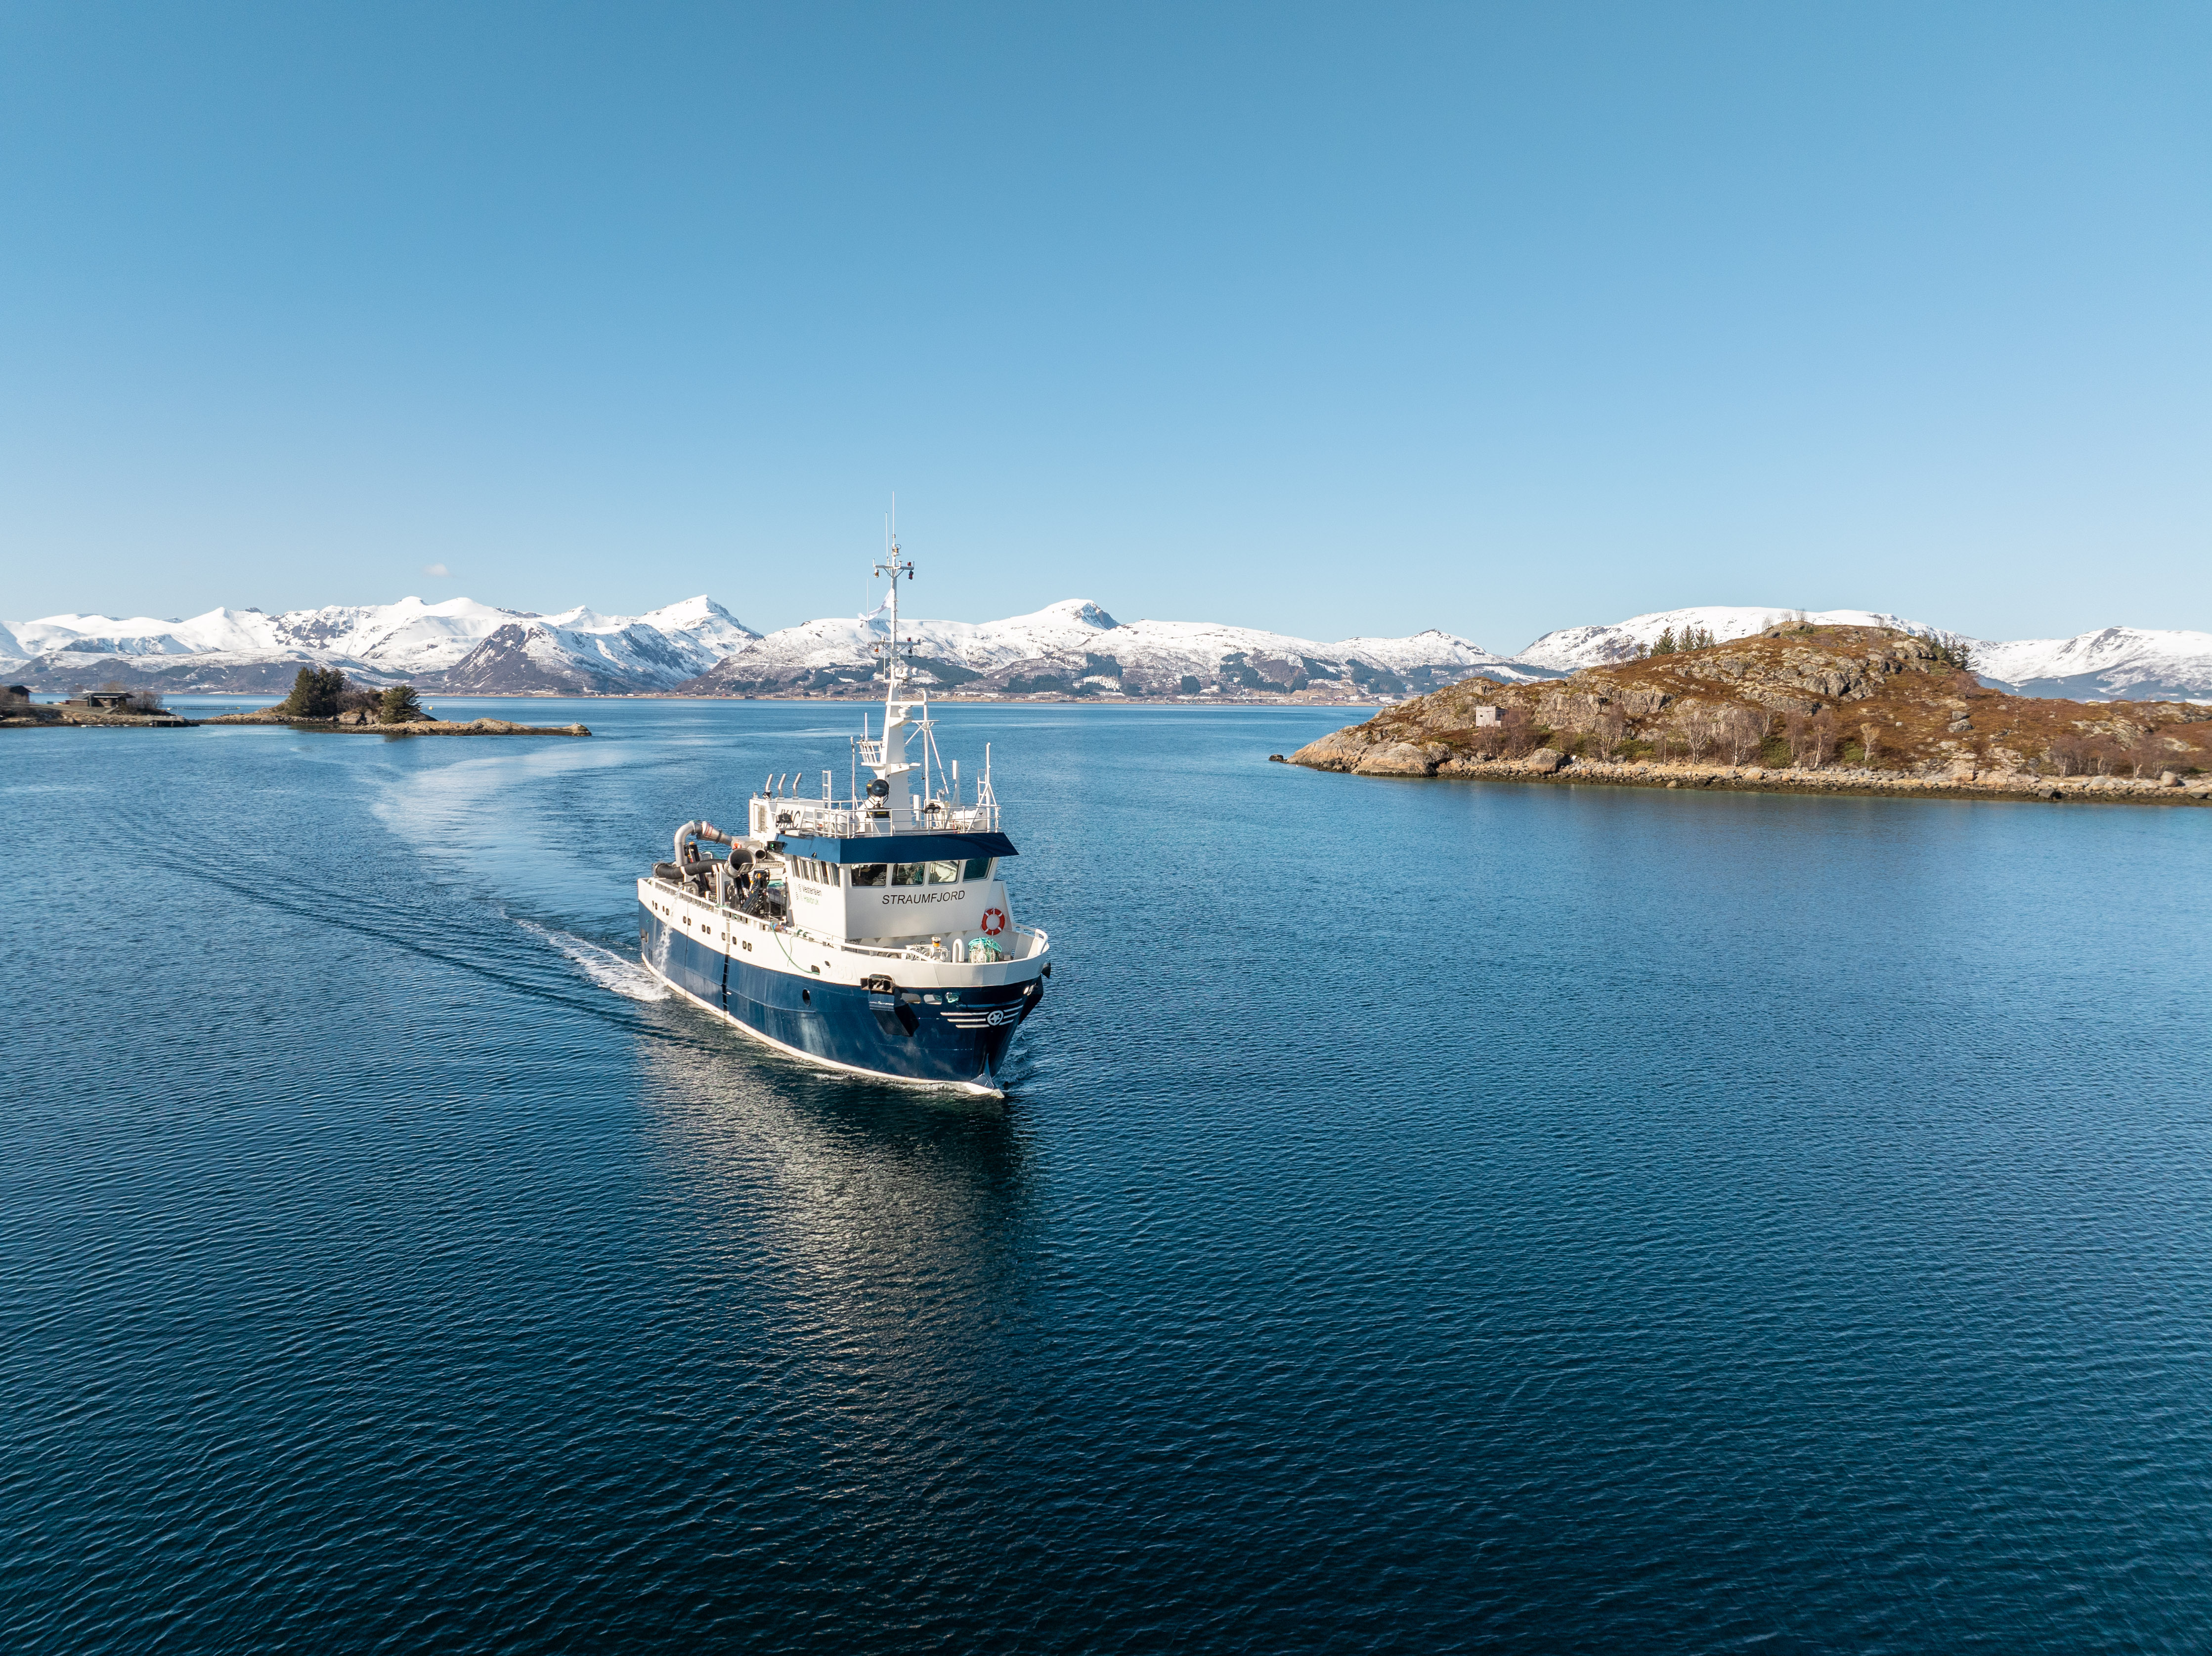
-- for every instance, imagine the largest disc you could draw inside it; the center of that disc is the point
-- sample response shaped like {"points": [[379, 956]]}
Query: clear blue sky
{"points": [[1354, 319]]}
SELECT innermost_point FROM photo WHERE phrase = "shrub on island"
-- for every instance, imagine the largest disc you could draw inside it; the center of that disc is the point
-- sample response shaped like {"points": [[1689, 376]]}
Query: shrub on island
{"points": [[401, 706], [316, 694]]}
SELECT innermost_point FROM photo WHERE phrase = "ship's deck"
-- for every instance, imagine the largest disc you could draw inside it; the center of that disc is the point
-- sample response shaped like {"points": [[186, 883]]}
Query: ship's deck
{"points": [[720, 925]]}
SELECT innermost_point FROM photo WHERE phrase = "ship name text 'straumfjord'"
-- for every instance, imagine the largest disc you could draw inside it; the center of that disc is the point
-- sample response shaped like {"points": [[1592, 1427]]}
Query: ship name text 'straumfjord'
{"points": [[872, 933]]}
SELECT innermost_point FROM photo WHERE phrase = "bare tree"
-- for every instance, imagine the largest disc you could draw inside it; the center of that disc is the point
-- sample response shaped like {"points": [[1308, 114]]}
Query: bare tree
{"points": [[1794, 726], [1744, 729], [2147, 752], [1519, 731], [1697, 735], [1606, 732], [1869, 742], [1821, 737]]}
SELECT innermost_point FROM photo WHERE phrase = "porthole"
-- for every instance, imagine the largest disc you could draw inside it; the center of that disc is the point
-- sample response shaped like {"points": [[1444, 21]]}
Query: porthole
{"points": [[807, 995]]}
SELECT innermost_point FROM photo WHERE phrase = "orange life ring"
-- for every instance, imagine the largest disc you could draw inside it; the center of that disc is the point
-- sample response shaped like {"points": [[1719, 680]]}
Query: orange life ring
{"points": [[994, 921]]}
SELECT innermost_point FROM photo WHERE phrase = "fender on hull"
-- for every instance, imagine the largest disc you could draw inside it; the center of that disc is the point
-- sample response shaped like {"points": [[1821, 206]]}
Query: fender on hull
{"points": [[841, 1025]]}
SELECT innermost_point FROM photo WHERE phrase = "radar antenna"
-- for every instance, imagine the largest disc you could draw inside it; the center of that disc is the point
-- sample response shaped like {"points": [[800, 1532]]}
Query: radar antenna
{"points": [[889, 762]]}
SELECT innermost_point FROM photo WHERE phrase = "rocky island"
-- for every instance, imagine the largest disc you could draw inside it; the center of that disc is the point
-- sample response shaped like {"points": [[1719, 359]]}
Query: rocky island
{"points": [[1800, 708], [321, 699]]}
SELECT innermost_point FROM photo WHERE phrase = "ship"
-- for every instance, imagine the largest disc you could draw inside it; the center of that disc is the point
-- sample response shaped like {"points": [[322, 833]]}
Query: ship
{"points": [[873, 934]]}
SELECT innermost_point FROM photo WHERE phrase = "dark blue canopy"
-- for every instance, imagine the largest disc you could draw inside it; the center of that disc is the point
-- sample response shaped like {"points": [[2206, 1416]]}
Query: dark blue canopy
{"points": [[901, 847]]}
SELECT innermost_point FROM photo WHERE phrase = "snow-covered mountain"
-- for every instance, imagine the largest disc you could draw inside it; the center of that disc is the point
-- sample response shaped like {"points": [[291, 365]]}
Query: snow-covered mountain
{"points": [[457, 645], [1572, 648], [1074, 647], [578, 653], [2116, 663], [1071, 648]]}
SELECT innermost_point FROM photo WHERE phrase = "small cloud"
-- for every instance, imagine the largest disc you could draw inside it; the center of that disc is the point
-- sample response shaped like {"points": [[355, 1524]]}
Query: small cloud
{"points": [[437, 569]]}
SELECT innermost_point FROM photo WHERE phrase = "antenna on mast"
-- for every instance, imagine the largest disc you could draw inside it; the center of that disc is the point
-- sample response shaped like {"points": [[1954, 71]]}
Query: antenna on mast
{"points": [[895, 564]]}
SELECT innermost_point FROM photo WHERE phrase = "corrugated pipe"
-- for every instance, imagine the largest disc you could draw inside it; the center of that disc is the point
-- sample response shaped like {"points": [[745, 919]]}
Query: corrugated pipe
{"points": [[706, 831]]}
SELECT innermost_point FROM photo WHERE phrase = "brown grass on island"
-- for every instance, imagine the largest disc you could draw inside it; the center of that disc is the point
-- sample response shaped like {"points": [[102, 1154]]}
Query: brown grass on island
{"points": [[1796, 704]]}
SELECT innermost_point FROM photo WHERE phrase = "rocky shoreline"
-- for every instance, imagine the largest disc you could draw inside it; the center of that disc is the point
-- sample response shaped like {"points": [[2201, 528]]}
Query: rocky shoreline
{"points": [[416, 727], [49, 717], [73, 720], [1963, 781], [1796, 709]]}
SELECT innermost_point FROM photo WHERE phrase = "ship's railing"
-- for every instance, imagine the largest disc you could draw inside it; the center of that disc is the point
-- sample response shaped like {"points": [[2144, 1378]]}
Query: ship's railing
{"points": [[1029, 941], [1032, 938], [814, 817], [913, 954], [910, 953]]}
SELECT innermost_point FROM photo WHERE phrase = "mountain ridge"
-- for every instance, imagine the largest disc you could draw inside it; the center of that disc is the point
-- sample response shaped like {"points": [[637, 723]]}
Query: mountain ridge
{"points": [[1074, 648]]}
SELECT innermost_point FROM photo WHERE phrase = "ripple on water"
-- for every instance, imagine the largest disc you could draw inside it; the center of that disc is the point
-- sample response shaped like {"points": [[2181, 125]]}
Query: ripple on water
{"points": [[1424, 1216]]}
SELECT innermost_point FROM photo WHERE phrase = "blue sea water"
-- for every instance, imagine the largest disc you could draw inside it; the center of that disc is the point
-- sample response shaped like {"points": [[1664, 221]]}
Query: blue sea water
{"points": [[1427, 1216]]}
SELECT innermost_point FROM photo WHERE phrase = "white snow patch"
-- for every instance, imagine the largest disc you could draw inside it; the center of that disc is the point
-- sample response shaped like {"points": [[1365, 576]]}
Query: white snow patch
{"points": [[1074, 637], [2112, 664], [385, 643], [1572, 648], [582, 649]]}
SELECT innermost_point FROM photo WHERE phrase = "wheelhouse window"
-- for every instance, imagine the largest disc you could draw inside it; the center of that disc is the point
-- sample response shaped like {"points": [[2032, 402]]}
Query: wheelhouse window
{"points": [[868, 873], [944, 873], [907, 873], [978, 868]]}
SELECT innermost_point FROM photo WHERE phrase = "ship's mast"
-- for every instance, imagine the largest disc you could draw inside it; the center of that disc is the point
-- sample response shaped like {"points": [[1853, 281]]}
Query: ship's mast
{"points": [[898, 711]]}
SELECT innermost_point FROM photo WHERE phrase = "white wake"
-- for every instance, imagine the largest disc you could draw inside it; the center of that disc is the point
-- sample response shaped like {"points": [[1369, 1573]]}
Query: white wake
{"points": [[602, 966]]}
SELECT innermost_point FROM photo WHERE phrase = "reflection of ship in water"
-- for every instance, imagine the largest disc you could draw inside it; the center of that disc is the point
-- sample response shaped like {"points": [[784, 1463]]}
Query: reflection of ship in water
{"points": [[884, 1235], [871, 934]]}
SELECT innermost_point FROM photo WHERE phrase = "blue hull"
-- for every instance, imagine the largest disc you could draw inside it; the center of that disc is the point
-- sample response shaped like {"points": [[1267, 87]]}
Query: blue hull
{"points": [[888, 1035]]}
